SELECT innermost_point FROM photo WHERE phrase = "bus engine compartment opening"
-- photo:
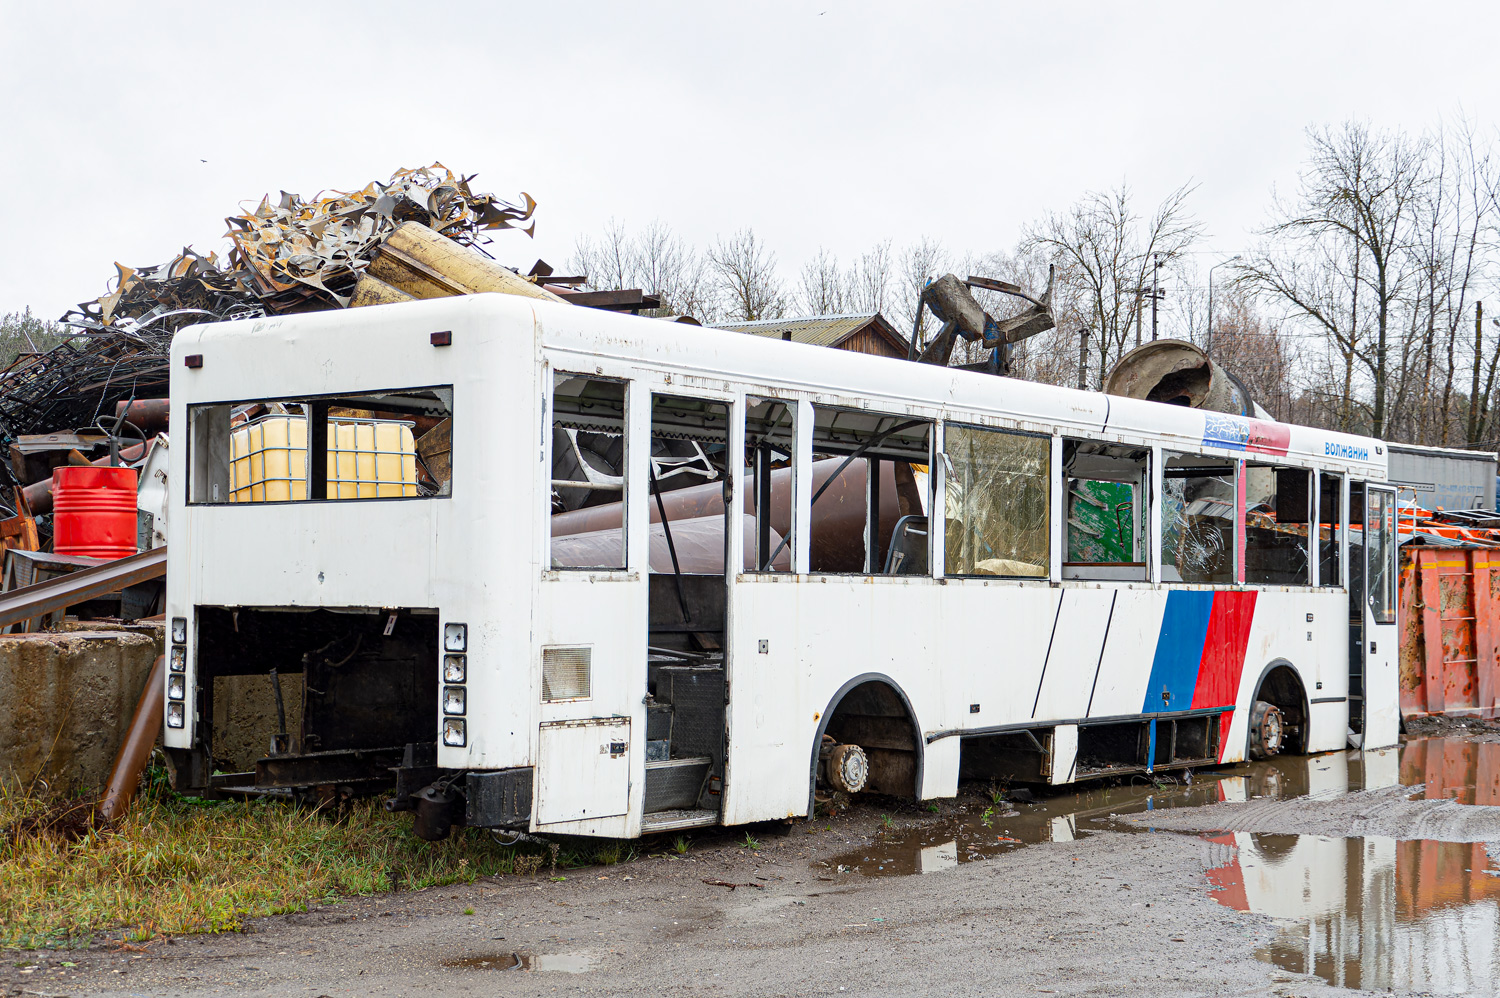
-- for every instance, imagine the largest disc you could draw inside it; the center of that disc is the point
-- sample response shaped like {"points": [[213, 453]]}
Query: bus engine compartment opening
{"points": [[354, 692]]}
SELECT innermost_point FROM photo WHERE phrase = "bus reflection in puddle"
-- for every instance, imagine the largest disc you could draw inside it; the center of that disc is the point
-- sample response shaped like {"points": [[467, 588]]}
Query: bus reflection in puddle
{"points": [[981, 831], [1371, 912]]}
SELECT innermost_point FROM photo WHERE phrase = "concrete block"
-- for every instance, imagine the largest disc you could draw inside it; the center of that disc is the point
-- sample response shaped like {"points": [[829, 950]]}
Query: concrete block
{"points": [[66, 698], [245, 718]]}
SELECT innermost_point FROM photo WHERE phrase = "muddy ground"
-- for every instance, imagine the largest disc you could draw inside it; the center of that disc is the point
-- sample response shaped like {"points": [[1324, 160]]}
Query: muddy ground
{"points": [[1065, 895]]}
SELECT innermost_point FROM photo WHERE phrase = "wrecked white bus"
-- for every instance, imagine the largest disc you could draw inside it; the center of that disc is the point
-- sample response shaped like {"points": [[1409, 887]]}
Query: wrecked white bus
{"points": [[543, 568]]}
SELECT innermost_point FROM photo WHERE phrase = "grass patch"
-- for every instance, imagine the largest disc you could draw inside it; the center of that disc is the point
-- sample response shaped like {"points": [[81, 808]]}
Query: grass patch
{"points": [[178, 864]]}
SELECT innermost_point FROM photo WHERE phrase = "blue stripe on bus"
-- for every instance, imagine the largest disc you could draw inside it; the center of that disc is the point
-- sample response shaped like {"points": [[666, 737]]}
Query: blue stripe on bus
{"points": [[1179, 650]]}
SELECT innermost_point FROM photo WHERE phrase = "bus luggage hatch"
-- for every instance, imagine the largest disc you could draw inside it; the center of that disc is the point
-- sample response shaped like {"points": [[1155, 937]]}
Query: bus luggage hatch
{"points": [[584, 770]]}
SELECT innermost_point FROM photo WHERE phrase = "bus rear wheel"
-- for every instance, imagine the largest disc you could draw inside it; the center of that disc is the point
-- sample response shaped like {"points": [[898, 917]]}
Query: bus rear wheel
{"points": [[1267, 730]]}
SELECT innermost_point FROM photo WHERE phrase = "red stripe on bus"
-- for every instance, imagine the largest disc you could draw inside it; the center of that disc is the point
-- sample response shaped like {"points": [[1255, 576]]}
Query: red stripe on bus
{"points": [[1268, 438], [1224, 655]]}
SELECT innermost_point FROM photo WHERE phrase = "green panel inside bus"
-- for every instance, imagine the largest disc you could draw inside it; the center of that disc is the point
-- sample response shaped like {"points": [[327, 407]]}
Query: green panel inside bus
{"points": [[1101, 522]]}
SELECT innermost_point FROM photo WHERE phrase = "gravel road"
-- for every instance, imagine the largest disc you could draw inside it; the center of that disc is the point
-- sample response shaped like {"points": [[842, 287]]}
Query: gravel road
{"points": [[1112, 913]]}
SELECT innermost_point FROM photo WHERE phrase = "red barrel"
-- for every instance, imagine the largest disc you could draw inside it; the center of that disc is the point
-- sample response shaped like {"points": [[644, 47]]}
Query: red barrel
{"points": [[95, 510]]}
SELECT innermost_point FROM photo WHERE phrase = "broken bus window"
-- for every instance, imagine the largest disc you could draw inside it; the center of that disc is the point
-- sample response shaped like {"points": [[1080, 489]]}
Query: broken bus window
{"points": [[388, 444], [996, 502]]}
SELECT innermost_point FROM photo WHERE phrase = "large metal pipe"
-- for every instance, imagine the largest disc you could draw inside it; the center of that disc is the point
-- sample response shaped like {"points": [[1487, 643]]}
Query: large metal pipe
{"points": [[838, 517], [1178, 373], [699, 546], [140, 739], [148, 415]]}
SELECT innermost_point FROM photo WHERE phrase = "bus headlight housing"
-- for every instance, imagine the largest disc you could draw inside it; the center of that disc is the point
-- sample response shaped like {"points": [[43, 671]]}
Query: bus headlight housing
{"points": [[175, 714], [179, 630], [176, 687], [179, 658], [455, 637], [454, 733], [455, 668], [455, 700]]}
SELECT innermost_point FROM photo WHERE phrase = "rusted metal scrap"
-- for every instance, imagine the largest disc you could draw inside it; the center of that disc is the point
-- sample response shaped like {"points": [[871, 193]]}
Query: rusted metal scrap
{"points": [[293, 249], [78, 383], [293, 254], [953, 304], [296, 254]]}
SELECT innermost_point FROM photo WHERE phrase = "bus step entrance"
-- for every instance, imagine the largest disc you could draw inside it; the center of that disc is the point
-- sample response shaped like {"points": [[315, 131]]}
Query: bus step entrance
{"points": [[671, 821], [685, 732]]}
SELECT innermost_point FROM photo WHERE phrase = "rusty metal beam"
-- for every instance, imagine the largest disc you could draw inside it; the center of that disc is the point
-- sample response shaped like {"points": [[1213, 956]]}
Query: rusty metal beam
{"points": [[60, 593]]}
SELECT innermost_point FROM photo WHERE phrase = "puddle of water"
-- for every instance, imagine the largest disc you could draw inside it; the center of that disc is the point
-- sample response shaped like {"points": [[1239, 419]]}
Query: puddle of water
{"points": [[1373, 913], [563, 963], [982, 831], [1445, 767], [1452, 768]]}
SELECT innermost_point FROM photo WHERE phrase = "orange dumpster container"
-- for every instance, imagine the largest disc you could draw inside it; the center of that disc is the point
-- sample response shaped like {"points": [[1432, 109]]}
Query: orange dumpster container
{"points": [[1449, 601]]}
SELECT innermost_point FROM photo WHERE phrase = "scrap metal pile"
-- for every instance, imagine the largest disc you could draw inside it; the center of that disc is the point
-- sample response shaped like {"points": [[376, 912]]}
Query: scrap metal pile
{"points": [[288, 255]]}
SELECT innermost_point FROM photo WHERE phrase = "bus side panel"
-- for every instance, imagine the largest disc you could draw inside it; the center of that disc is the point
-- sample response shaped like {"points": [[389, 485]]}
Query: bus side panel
{"points": [[1124, 671], [1081, 624], [948, 647], [994, 641], [1317, 650]]}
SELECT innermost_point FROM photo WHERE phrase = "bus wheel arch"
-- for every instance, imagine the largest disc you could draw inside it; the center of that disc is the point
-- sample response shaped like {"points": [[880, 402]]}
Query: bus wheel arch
{"points": [[873, 712], [1278, 719]]}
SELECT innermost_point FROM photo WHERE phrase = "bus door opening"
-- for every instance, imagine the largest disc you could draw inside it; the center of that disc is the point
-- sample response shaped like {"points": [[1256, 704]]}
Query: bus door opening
{"points": [[688, 478], [1373, 634]]}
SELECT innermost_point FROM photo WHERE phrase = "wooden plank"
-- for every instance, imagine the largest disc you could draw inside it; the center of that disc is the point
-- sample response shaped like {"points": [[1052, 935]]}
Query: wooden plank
{"points": [[1432, 630], [1484, 629]]}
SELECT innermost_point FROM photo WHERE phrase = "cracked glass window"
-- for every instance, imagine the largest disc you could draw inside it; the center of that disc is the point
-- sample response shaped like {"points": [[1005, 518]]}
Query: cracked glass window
{"points": [[996, 502], [1197, 520]]}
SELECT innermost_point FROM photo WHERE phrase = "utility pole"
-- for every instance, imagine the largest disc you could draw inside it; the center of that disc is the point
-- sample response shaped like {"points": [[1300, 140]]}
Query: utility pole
{"points": [[1155, 291], [1138, 316], [1083, 358], [1478, 358]]}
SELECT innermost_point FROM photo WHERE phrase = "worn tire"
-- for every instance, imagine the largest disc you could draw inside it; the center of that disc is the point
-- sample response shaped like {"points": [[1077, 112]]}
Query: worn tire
{"points": [[1267, 730]]}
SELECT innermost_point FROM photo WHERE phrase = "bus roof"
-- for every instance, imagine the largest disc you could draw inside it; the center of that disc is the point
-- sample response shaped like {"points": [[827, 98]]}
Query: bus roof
{"points": [[705, 357]]}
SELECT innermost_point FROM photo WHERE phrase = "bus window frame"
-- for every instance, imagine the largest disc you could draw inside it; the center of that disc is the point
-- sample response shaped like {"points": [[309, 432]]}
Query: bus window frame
{"points": [[741, 477], [1340, 541], [1242, 523], [938, 538], [1143, 513], [629, 386], [199, 455], [1236, 467], [803, 460]]}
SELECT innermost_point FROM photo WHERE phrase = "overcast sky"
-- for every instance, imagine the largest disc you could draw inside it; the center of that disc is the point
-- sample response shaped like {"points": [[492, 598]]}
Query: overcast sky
{"points": [[131, 130]]}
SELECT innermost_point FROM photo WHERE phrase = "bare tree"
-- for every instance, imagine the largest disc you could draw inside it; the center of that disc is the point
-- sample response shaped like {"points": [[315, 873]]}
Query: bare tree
{"points": [[656, 260], [1104, 257], [920, 263], [867, 283], [821, 288], [665, 266], [1339, 255], [746, 280], [604, 260], [825, 288]]}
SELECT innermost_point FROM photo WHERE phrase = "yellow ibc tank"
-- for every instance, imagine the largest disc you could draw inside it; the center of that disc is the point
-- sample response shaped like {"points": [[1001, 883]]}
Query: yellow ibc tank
{"points": [[367, 459]]}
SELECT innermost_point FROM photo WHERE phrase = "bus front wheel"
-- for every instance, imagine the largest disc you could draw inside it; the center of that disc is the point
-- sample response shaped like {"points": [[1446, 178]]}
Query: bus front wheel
{"points": [[1267, 730]]}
